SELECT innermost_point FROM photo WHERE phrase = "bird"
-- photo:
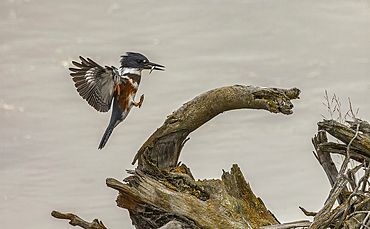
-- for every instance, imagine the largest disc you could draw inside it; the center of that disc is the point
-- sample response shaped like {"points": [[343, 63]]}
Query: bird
{"points": [[100, 86]]}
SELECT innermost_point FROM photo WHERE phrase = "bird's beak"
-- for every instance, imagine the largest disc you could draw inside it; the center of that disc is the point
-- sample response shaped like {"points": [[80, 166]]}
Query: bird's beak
{"points": [[153, 66]]}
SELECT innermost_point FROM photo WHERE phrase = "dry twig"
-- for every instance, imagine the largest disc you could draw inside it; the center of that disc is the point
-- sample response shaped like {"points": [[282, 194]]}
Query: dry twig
{"points": [[77, 221]]}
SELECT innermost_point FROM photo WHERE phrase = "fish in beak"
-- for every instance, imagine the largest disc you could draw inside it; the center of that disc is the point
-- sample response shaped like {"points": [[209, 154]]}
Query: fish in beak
{"points": [[153, 66]]}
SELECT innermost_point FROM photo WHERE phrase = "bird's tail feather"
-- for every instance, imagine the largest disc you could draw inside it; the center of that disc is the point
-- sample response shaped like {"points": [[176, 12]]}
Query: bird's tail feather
{"points": [[106, 136], [117, 117]]}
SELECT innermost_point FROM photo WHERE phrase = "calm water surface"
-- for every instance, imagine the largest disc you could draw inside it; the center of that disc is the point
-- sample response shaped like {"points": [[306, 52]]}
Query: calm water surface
{"points": [[49, 135]]}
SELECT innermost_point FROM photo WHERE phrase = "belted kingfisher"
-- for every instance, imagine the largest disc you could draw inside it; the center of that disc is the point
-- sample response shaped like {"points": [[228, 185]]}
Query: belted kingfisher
{"points": [[100, 85]]}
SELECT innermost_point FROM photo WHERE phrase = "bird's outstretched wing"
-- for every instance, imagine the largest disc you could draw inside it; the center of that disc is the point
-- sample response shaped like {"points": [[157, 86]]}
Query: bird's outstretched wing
{"points": [[94, 83]]}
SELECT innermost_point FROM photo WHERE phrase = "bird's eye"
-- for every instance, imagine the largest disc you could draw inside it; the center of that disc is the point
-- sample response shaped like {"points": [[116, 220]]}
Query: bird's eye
{"points": [[140, 61]]}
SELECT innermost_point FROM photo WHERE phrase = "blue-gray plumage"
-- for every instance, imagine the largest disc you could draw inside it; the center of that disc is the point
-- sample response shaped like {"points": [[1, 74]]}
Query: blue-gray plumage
{"points": [[117, 116]]}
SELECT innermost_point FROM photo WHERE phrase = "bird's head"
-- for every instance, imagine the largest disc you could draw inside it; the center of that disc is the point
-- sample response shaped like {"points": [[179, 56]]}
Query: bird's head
{"points": [[138, 61]]}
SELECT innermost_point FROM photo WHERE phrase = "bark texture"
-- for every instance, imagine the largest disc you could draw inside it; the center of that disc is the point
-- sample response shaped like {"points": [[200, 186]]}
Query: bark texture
{"points": [[154, 201]]}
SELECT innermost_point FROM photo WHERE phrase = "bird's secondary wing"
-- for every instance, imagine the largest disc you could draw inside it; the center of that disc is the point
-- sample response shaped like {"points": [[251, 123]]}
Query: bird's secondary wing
{"points": [[94, 83]]}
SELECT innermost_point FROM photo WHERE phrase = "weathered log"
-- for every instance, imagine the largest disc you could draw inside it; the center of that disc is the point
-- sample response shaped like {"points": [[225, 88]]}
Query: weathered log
{"points": [[153, 201], [160, 193]]}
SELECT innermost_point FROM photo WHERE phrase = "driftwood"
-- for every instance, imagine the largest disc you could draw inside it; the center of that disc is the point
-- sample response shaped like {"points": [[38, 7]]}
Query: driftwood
{"points": [[352, 195], [175, 196], [161, 193], [164, 146]]}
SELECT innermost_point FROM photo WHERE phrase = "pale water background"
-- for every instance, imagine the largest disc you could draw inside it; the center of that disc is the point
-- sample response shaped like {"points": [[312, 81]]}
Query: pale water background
{"points": [[49, 135]]}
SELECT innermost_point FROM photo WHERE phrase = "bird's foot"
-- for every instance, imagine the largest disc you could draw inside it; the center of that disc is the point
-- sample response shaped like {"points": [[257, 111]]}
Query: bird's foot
{"points": [[141, 101]]}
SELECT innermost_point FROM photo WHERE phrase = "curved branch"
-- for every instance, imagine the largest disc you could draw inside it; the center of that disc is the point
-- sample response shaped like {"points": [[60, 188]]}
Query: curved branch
{"points": [[203, 108]]}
